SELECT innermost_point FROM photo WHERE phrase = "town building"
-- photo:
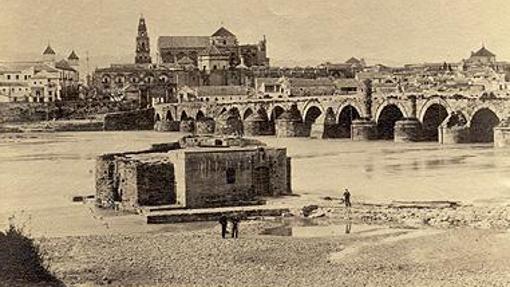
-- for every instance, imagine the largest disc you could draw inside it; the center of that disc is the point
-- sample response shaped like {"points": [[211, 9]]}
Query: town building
{"points": [[47, 80], [196, 172]]}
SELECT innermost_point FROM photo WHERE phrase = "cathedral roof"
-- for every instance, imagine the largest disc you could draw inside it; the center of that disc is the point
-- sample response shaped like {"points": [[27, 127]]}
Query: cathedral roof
{"points": [[49, 51], [483, 52], [222, 32], [73, 56], [183, 41]]}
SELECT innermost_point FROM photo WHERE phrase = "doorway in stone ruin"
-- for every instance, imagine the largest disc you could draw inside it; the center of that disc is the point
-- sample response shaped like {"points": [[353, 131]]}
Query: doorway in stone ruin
{"points": [[261, 181]]}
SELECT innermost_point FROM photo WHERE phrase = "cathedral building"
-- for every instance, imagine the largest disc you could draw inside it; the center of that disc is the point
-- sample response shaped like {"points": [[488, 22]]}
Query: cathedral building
{"points": [[221, 49]]}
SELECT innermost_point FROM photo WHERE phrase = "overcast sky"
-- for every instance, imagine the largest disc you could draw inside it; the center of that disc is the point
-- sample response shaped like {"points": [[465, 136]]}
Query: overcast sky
{"points": [[298, 31]]}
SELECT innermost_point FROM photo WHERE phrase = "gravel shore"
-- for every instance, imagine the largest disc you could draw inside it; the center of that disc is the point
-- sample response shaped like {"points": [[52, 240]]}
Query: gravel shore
{"points": [[198, 257]]}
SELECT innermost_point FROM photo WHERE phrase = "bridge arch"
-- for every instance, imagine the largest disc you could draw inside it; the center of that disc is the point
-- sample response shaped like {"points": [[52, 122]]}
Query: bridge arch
{"points": [[184, 116], [346, 115], [357, 106], [312, 105], [247, 112], [275, 112], [169, 116], [482, 124], [157, 118], [399, 105], [432, 115], [386, 119], [432, 102], [200, 115], [312, 114]]}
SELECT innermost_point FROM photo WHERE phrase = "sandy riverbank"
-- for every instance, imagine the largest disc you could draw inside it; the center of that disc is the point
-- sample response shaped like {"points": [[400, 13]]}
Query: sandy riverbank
{"points": [[198, 257]]}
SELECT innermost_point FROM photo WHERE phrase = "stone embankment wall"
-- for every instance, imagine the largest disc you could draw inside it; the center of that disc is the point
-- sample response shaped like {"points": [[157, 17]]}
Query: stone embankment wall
{"points": [[30, 112], [130, 120]]}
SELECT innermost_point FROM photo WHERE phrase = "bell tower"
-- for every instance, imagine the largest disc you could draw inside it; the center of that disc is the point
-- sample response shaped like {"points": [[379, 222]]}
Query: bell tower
{"points": [[143, 50]]}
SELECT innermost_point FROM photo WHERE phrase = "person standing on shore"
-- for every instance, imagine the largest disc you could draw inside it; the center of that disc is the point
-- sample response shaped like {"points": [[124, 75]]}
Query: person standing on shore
{"points": [[347, 198], [235, 226], [223, 221]]}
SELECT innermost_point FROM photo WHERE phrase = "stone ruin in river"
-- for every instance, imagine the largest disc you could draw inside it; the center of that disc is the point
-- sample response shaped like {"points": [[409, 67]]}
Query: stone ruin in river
{"points": [[195, 172]]}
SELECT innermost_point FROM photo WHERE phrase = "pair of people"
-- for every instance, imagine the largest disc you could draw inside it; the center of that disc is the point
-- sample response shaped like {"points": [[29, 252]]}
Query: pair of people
{"points": [[235, 226]]}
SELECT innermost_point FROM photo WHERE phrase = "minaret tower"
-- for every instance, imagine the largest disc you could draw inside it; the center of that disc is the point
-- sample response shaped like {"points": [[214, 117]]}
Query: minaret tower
{"points": [[143, 50]]}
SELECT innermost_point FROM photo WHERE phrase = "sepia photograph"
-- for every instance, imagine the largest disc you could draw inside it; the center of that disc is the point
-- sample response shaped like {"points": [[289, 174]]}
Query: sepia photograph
{"points": [[303, 143]]}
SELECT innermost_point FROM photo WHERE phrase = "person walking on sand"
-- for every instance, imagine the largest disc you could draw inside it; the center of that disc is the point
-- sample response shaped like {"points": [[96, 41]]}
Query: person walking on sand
{"points": [[347, 198], [223, 221], [235, 226]]}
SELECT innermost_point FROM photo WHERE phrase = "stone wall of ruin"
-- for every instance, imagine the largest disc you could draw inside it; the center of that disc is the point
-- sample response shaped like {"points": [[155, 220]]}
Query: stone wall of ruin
{"points": [[131, 120]]}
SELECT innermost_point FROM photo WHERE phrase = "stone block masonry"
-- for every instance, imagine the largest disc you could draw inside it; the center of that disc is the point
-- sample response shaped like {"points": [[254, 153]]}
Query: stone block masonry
{"points": [[200, 172], [131, 120]]}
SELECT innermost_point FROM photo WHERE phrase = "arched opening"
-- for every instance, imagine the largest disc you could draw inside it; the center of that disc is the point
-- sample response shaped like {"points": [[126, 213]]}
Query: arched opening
{"points": [[482, 124], [169, 116], [200, 115], [247, 113], [311, 115], [223, 111], [275, 114], [345, 118], [235, 112], [157, 118], [386, 122], [434, 116], [184, 116]]}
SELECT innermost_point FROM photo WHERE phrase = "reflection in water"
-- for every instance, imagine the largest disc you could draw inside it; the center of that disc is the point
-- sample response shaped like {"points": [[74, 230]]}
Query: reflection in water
{"points": [[348, 226]]}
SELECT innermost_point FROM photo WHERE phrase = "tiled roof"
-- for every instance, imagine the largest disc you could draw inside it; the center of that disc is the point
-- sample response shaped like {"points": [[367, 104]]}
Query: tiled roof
{"points": [[13, 84], [49, 51], [483, 52], [22, 66], [183, 42], [212, 51], [345, 83], [185, 61], [222, 32], [64, 65], [223, 90], [299, 82]]}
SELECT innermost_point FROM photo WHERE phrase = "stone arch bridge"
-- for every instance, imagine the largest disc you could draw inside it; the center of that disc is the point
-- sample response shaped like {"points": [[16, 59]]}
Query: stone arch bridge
{"points": [[443, 117]]}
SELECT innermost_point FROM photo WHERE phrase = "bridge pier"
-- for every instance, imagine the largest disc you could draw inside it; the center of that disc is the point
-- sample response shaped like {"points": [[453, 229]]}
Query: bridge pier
{"points": [[502, 134], [256, 125], [363, 130], [166, 126], [289, 125], [407, 130], [454, 135], [229, 124], [205, 126], [187, 126]]}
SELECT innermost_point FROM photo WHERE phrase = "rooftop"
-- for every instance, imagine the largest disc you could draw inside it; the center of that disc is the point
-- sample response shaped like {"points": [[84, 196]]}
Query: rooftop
{"points": [[183, 42]]}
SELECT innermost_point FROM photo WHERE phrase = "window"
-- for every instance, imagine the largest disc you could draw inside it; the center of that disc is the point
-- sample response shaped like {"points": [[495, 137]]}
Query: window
{"points": [[8, 77], [26, 77], [231, 175], [50, 93], [17, 77]]}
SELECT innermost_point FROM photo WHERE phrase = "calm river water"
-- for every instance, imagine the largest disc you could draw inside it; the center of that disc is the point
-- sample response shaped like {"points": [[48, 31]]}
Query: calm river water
{"points": [[39, 173]]}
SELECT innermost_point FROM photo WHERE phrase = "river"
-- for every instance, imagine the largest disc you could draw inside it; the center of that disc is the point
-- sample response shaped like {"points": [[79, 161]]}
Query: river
{"points": [[41, 172]]}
